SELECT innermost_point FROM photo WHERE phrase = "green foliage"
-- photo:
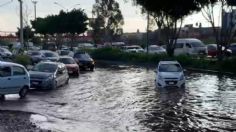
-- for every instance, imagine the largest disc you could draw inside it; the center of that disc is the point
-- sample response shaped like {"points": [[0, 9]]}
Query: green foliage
{"points": [[109, 20], [72, 22], [113, 54], [22, 59]]}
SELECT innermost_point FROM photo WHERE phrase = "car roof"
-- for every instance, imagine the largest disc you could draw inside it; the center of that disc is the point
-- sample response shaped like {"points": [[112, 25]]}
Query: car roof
{"points": [[3, 63], [168, 62], [65, 57]]}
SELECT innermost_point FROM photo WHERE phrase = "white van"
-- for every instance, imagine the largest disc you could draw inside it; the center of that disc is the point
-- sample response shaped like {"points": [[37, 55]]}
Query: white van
{"points": [[189, 46]]}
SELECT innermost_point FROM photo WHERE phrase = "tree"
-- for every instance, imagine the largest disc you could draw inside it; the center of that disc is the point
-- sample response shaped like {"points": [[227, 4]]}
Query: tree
{"points": [[28, 33], [168, 14], [109, 20], [225, 34], [73, 22]]}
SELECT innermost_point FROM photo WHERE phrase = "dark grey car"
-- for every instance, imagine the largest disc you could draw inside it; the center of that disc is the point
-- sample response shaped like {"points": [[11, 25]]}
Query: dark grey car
{"points": [[48, 75]]}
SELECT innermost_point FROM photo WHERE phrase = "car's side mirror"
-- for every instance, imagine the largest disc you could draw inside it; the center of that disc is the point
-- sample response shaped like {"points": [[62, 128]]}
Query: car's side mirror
{"points": [[156, 71]]}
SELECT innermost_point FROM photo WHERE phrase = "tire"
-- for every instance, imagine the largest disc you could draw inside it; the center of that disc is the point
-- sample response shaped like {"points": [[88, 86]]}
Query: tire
{"points": [[2, 97], [67, 81], [91, 68], [54, 85], [23, 92]]}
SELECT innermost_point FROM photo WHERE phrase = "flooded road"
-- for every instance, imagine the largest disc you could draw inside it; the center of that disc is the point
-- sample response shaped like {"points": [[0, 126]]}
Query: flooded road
{"points": [[123, 98]]}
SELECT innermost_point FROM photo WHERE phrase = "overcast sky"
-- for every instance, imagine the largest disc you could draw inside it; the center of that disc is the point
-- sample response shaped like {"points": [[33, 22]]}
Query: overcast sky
{"points": [[9, 14]]}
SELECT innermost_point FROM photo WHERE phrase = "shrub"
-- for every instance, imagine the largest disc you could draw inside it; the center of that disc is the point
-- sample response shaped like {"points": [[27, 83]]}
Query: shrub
{"points": [[22, 59]]}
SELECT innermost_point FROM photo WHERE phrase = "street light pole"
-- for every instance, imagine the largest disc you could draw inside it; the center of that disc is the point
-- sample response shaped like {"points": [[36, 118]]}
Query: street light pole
{"points": [[148, 21], [21, 24], [35, 9]]}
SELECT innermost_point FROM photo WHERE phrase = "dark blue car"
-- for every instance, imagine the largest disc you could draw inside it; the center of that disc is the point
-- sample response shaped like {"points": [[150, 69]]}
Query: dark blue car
{"points": [[233, 48]]}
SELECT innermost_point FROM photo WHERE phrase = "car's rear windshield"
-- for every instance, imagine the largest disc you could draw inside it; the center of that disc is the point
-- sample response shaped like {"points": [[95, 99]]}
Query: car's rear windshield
{"points": [[45, 67], [81, 56], [64, 52], [35, 53], [67, 60], [170, 68], [49, 54]]}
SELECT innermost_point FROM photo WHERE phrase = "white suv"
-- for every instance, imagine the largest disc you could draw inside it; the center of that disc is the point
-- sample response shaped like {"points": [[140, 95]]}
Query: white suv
{"points": [[14, 79], [169, 74]]}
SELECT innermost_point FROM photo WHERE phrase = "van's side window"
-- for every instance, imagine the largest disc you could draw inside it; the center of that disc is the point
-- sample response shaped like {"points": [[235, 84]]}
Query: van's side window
{"points": [[18, 71], [188, 45], [5, 71], [179, 45]]}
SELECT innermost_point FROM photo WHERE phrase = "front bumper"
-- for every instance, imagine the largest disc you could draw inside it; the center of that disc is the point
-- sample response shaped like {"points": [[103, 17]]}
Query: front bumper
{"points": [[170, 83], [41, 84]]}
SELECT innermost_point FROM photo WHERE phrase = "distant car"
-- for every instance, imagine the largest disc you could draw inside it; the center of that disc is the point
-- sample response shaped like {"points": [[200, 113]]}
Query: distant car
{"points": [[71, 65], [169, 74], [233, 48], [86, 46], [50, 55], [133, 49], [5, 53], [190, 46], [48, 75], [212, 50], [35, 56], [84, 61], [14, 79], [154, 49], [66, 53]]}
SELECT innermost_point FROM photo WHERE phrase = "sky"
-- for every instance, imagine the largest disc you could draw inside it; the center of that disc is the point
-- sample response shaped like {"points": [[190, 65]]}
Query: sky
{"points": [[134, 20]]}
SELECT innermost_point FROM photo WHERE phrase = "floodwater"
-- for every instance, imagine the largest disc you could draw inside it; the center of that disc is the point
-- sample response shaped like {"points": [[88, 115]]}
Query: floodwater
{"points": [[123, 98]]}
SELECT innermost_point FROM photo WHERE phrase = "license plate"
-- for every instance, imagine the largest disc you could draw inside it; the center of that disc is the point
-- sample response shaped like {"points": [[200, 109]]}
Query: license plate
{"points": [[35, 83], [171, 83], [70, 71]]}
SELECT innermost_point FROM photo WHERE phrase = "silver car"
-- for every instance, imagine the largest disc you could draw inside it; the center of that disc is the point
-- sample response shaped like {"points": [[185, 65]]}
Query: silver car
{"points": [[48, 75]]}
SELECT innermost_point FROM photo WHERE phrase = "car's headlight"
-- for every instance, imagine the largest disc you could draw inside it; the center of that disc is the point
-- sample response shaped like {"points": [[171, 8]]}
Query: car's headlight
{"points": [[181, 77], [49, 78]]}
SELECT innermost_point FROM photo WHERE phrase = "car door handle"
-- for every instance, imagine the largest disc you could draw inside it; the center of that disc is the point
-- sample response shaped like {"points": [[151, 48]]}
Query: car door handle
{"points": [[9, 79], [24, 77]]}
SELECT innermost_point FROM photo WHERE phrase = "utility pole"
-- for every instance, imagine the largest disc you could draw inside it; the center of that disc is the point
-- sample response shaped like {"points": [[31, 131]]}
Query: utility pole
{"points": [[35, 9], [21, 24], [148, 19]]}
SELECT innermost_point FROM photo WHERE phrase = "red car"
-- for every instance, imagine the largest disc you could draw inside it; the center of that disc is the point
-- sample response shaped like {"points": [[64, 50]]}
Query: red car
{"points": [[71, 65], [212, 50]]}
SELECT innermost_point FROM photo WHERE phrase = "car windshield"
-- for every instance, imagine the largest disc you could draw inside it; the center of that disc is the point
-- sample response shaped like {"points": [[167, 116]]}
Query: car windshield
{"points": [[197, 44], [64, 52], [133, 48], [45, 67], [49, 54], [82, 56], [170, 68], [67, 60], [35, 53]]}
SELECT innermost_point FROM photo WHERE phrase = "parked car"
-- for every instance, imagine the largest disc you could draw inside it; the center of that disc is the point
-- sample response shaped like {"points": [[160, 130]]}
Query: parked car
{"points": [[5, 53], [50, 55], [232, 47], [66, 53], [154, 49], [36, 56], [190, 46], [71, 65], [14, 79], [212, 50], [48, 75], [133, 49], [169, 74], [84, 61]]}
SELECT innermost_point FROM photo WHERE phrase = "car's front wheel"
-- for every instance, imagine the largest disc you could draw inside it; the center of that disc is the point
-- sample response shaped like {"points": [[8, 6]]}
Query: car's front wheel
{"points": [[23, 92], [2, 97]]}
